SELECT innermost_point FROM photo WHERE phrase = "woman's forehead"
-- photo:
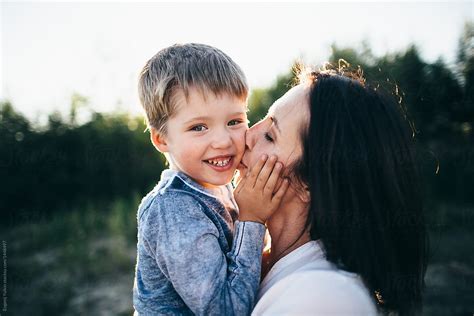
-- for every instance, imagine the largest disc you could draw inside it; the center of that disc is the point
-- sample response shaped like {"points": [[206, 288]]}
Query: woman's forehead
{"points": [[294, 100]]}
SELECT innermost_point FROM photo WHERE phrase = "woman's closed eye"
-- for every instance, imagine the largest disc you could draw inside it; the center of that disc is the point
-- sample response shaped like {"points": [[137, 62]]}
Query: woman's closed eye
{"points": [[268, 137]]}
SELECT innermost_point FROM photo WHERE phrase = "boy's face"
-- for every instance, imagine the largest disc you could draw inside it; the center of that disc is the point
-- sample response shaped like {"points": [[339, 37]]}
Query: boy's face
{"points": [[206, 136]]}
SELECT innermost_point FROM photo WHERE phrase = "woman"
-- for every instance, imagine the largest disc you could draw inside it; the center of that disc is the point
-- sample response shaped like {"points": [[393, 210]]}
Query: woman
{"points": [[349, 235]]}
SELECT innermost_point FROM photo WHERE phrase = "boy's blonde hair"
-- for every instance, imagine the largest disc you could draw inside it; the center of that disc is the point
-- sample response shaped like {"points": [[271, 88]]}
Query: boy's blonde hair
{"points": [[181, 67]]}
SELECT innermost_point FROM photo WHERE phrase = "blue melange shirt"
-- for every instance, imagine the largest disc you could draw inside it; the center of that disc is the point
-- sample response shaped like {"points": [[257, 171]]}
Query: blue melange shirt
{"points": [[192, 258]]}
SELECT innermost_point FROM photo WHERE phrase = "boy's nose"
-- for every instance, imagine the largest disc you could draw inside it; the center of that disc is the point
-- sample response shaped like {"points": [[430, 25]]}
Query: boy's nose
{"points": [[222, 140]]}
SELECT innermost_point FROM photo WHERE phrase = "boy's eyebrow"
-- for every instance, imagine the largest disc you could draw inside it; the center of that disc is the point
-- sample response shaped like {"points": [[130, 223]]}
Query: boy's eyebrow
{"points": [[198, 118], [239, 113]]}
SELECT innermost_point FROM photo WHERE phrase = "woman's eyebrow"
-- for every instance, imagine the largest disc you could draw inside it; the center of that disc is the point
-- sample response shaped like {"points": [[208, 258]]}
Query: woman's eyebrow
{"points": [[275, 122]]}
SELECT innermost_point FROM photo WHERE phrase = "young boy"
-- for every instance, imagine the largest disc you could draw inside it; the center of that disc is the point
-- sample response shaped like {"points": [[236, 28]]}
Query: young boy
{"points": [[193, 257]]}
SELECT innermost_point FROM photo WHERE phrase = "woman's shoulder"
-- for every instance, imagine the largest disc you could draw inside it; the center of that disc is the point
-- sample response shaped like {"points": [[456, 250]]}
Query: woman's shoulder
{"points": [[317, 292]]}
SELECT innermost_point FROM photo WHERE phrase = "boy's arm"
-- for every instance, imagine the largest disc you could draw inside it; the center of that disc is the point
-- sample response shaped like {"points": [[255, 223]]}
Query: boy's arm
{"points": [[188, 252]]}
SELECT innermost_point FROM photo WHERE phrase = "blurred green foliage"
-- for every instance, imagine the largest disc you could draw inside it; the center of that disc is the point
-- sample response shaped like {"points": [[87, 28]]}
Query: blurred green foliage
{"points": [[65, 164]]}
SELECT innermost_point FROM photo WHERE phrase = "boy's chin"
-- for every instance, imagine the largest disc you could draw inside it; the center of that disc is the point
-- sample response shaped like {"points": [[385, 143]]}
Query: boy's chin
{"points": [[216, 182]]}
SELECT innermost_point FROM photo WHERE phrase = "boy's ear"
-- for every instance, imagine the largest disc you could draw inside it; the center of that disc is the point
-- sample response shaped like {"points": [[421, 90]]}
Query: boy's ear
{"points": [[158, 140]]}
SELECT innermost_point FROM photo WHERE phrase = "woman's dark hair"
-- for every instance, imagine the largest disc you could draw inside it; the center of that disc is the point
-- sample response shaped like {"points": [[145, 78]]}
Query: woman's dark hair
{"points": [[358, 163]]}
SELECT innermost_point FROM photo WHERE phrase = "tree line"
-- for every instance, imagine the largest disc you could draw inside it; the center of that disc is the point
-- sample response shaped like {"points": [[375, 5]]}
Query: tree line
{"points": [[51, 168]]}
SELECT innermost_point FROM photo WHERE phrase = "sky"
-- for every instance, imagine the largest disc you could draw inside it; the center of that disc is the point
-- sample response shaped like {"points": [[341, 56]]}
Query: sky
{"points": [[51, 50]]}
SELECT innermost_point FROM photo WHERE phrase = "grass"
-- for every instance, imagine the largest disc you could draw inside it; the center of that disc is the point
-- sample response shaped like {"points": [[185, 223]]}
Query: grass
{"points": [[57, 266], [81, 262]]}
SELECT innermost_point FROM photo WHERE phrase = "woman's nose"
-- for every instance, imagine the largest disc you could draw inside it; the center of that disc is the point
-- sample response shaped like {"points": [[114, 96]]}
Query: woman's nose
{"points": [[250, 137]]}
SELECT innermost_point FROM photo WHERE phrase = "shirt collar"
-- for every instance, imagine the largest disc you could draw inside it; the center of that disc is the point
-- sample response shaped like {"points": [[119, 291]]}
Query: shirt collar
{"points": [[308, 256]]}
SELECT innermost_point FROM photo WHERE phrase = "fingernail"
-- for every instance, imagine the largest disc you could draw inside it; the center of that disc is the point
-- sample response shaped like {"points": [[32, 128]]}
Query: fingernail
{"points": [[278, 165], [264, 157]]}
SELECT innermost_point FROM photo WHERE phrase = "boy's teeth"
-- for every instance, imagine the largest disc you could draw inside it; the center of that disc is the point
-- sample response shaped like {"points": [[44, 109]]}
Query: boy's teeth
{"points": [[219, 163]]}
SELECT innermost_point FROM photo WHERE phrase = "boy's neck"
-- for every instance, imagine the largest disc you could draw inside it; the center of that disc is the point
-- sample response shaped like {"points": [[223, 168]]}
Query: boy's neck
{"points": [[203, 184]]}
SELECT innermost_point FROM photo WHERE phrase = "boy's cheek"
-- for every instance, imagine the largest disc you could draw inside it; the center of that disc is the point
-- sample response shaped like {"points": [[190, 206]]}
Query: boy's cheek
{"points": [[241, 140]]}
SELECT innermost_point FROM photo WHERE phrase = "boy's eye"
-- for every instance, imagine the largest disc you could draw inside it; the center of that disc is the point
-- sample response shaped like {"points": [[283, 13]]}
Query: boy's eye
{"points": [[198, 128], [268, 137], [234, 122]]}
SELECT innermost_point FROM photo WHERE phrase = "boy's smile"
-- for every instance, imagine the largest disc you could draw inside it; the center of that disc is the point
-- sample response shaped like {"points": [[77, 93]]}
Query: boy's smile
{"points": [[205, 138], [220, 163]]}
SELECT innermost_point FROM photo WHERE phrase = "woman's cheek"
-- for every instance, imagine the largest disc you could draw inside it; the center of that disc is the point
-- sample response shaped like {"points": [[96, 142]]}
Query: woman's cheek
{"points": [[260, 149]]}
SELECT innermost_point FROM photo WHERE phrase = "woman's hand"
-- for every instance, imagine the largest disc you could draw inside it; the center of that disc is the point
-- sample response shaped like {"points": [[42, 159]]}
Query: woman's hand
{"points": [[255, 192]]}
